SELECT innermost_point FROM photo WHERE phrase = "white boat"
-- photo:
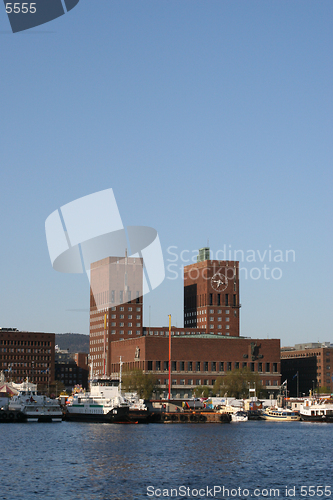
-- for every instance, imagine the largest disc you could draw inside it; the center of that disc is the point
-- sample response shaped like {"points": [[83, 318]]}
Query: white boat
{"points": [[280, 415], [35, 407], [103, 403], [317, 410], [239, 416]]}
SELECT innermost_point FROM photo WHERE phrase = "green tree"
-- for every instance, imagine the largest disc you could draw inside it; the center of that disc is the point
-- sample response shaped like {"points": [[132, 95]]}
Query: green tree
{"points": [[137, 381], [202, 391], [236, 384]]}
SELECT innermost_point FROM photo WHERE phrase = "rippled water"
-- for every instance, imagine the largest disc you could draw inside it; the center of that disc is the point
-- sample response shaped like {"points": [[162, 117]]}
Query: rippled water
{"points": [[72, 460]]}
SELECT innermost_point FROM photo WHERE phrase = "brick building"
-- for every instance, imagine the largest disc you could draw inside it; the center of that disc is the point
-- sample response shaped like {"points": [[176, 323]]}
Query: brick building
{"points": [[208, 346], [71, 369], [197, 359], [27, 354], [116, 307], [314, 364]]}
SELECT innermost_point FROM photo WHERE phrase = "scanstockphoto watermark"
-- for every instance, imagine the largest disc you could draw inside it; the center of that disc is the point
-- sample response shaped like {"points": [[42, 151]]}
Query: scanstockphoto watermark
{"points": [[253, 264]]}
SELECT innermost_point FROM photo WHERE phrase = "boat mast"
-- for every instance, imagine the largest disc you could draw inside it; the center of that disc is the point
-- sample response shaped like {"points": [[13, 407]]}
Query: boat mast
{"points": [[169, 395], [120, 370], [104, 352]]}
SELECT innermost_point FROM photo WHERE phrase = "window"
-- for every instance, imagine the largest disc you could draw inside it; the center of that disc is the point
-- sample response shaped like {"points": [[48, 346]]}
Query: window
{"points": [[150, 365], [267, 367], [129, 324], [211, 311], [206, 366], [182, 381], [259, 367], [227, 311], [228, 366], [221, 367], [182, 366], [236, 365], [157, 365], [197, 381], [275, 367], [166, 365], [213, 366], [190, 381], [252, 367], [210, 299], [235, 300], [129, 332], [227, 319], [244, 365], [218, 299], [121, 316], [138, 332], [173, 365], [197, 366], [226, 299], [189, 366], [211, 318]]}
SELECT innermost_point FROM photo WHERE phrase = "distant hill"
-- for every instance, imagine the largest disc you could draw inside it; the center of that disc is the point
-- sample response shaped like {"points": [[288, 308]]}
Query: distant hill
{"points": [[74, 342]]}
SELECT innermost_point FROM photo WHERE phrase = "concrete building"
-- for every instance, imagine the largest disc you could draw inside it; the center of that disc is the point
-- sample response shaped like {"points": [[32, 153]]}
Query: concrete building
{"points": [[27, 354]]}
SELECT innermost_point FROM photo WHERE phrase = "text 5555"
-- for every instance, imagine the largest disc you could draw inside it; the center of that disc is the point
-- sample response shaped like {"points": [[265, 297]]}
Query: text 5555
{"points": [[18, 7]]}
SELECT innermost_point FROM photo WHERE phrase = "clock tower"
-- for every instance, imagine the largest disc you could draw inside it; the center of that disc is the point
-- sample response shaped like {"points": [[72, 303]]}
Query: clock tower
{"points": [[211, 295]]}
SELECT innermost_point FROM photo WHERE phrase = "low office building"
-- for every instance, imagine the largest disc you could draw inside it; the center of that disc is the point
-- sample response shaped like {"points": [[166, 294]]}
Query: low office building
{"points": [[197, 360]]}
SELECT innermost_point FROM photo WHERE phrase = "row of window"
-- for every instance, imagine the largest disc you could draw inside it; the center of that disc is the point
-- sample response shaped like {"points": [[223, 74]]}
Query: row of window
{"points": [[199, 381], [17, 350], [38, 343], [212, 366]]}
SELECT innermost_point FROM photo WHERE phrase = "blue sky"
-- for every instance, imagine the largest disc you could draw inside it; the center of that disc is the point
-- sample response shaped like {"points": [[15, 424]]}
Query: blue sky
{"points": [[210, 120]]}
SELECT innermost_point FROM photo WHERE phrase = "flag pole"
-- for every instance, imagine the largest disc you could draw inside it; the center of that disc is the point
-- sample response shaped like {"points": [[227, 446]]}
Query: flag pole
{"points": [[104, 354], [169, 396]]}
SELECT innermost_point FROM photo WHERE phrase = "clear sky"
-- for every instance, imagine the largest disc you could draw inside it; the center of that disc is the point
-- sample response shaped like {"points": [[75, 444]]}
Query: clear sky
{"points": [[211, 120]]}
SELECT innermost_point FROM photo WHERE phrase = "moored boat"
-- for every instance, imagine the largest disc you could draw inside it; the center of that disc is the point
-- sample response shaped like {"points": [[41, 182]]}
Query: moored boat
{"points": [[317, 410], [33, 407], [280, 415], [102, 404], [239, 416]]}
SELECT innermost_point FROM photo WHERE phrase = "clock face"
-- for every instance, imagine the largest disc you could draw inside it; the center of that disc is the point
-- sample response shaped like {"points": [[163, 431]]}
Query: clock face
{"points": [[219, 282]]}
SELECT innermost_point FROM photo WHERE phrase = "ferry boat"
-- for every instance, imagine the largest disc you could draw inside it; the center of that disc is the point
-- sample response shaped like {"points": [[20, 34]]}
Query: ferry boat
{"points": [[280, 415], [102, 404], [317, 410], [33, 407]]}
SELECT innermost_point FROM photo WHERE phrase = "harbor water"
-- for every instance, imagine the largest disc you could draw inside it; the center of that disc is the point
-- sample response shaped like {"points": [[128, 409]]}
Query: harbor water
{"points": [[255, 459]]}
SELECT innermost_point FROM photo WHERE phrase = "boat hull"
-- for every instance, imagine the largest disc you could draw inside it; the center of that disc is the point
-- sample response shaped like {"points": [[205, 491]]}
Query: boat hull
{"points": [[115, 416]]}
